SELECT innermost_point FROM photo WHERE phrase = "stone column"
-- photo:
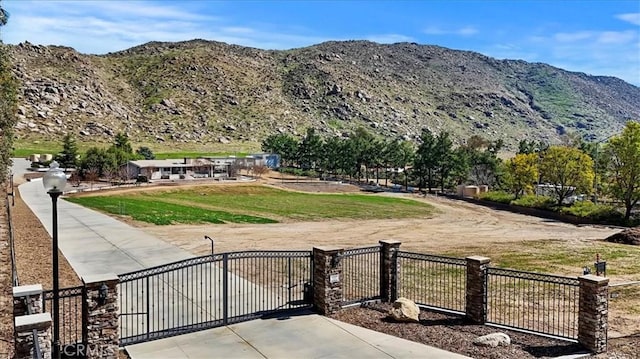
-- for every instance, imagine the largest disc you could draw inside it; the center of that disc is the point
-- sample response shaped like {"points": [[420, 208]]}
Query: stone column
{"points": [[102, 329], [327, 279], [389, 270], [476, 288], [25, 298], [24, 328], [593, 314]]}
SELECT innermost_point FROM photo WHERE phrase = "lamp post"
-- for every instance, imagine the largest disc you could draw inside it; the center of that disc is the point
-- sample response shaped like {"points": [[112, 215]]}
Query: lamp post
{"points": [[54, 182], [210, 239]]}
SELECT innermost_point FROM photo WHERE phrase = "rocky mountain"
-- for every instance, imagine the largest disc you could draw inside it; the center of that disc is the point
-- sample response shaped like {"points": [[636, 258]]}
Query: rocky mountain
{"points": [[210, 92]]}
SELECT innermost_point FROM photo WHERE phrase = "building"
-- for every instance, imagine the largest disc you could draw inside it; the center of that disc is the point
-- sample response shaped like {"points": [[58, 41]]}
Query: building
{"points": [[189, 168]]}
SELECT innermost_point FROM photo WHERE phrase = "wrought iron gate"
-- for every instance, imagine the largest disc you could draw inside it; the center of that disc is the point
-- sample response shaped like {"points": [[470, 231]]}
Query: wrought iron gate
{"points": [[210, 291], [72, 321]]}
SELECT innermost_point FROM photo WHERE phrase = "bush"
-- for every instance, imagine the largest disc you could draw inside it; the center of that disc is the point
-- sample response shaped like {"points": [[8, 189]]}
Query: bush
{"points": [[588, 209], [497, 196], [541, 202]]}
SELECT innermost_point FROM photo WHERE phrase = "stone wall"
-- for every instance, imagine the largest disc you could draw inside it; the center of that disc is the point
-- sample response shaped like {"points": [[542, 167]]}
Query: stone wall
{"points": [[593, 322], [476, 287], [24, 338], [102, 331], [327, 279]]}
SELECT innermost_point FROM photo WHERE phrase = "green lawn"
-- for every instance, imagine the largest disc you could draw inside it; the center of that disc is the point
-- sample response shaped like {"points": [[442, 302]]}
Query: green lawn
{"points": [[251, 204]]}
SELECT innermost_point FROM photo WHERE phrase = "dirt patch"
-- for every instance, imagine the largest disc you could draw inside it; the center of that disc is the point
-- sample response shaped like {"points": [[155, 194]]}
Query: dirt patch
{"points": [[627, 236]]}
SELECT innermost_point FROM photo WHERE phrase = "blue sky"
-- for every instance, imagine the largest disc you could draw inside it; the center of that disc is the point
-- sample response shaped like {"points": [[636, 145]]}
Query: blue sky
{"points": [[598, 37]]}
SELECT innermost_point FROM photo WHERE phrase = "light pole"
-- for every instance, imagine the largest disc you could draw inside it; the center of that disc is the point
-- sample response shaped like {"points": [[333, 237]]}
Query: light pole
{"points": [[210, 239], [54, 182]]}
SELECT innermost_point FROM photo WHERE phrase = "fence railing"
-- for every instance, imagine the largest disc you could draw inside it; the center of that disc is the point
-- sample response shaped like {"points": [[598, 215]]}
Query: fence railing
{"points": [[360, 275], [539, 303], [210, 291], [433, 281], [72, 311]]}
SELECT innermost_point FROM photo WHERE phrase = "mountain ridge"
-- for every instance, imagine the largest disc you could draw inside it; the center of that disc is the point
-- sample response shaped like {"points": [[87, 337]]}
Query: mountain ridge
{"points": [[201, 91]]}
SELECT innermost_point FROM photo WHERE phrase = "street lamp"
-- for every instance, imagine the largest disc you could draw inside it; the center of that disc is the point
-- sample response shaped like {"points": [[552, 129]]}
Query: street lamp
{"points": [[54, 181]]}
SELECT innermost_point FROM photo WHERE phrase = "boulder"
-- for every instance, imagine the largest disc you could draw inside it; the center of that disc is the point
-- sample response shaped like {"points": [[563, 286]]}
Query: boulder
{"points": [[405, 310], [492, 340]]}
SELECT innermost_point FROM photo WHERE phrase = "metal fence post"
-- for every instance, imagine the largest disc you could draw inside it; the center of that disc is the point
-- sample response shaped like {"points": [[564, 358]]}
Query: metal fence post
{"points": [[225, 288], [389, 270]]}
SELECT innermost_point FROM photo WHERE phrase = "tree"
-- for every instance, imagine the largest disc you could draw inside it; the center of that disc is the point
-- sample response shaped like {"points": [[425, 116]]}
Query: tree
{"points": [[122, 142], [283, 144], [309, 150], [146, 153], [521, 172], [568, 169], [69, 155], [8, 104], [259, 170], [363, 145], [623, 166], [444, 157], [424, 163]]}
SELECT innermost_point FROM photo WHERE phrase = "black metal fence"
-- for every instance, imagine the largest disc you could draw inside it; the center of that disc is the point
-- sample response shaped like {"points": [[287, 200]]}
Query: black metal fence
{"points": [[539, 303], [361, 275], [433, 281], [211, 291], [72, 316]]}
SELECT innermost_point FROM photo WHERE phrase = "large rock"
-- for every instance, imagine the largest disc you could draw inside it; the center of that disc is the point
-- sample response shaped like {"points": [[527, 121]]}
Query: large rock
{"points": [[492, 340], [405, 310]]}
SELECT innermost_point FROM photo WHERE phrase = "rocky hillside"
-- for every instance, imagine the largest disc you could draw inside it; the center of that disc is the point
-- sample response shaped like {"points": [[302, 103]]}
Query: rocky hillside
{"points": [[204, 92]]}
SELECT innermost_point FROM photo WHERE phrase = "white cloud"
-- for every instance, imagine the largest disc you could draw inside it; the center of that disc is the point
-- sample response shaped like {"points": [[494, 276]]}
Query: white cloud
{"points": [[633, 17], [617, 37], [572, 36], [463, 31], [107, 26], [389, 38], [467, 31]]}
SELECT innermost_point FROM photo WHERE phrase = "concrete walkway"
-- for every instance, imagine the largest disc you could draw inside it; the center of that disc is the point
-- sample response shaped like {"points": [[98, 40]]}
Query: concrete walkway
{"points": [[306, 336], [95, 243]]}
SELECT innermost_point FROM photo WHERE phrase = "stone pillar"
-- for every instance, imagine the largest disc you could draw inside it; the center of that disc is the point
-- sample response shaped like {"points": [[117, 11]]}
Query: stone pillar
{"points": [[593, 314], [24, 338], [101, 329], [25, 298], [476, 288], [389, 270], [327, 279]]}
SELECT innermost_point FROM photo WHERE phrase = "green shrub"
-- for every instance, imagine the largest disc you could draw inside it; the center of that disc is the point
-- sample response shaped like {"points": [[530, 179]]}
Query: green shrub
{"points": [[588, 209], [497, 196], [541, 202]]}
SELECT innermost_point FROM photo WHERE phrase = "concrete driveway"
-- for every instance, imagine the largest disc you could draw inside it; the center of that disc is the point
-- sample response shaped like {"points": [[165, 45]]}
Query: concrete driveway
{"points": [[95, 243], [304, 336]]}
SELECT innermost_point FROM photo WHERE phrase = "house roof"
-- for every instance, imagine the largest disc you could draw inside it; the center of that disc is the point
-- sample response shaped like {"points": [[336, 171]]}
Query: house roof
{"points": [[169, 163]]}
